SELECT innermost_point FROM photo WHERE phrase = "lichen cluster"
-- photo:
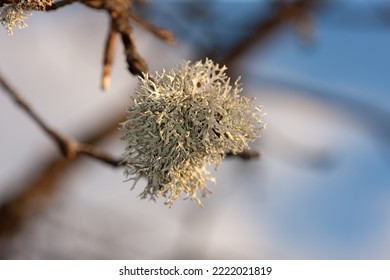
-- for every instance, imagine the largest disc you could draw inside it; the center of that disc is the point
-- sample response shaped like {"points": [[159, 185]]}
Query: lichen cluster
{"points": [[14, 14], [182, 120]]}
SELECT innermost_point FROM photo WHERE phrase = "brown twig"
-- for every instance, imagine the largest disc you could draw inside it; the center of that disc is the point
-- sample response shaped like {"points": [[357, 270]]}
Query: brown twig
{"points": [[59, 4], [284, 13], [163, 34], [136, 64], [109, 52], [70, 148], [53, 6], [245, 155]]}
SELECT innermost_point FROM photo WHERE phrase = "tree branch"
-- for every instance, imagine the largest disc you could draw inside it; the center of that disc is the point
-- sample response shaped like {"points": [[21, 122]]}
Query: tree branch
{"points": [[70, 148], [40, 184], [136, 64]]}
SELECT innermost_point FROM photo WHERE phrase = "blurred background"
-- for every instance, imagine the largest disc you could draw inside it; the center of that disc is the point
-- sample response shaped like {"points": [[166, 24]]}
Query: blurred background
{"points": [[320, 189]]}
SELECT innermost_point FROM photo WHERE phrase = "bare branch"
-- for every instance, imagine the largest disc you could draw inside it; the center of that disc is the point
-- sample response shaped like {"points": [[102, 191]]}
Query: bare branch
{"points": [[93, 152], [40, 184], [163, 34], [70, 148], [284, 12], [136, 64]]}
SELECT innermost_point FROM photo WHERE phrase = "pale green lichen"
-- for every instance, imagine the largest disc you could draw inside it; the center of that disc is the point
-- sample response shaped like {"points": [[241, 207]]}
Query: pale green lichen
{"points": [[14, 14], [182, 120]]}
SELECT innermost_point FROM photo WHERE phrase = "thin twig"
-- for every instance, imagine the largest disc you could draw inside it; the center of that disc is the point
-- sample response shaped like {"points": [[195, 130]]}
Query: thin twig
{"points": [[53, 6], [59, 4], [163, 34], [70, 148], [284, 13], [245, 155], [136, 64], [109, 53]]}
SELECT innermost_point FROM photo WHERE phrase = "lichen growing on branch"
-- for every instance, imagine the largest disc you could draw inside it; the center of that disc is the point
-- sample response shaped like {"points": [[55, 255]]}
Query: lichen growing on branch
{"points": [[14, 14], [182, 120]]}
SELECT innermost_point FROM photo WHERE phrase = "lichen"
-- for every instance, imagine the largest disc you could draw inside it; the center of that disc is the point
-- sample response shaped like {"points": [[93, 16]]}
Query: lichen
{"points": [[182, 120]]}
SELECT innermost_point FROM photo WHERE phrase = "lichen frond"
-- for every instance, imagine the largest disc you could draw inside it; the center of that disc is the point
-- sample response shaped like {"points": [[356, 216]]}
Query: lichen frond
{"points": [[14, 14]]}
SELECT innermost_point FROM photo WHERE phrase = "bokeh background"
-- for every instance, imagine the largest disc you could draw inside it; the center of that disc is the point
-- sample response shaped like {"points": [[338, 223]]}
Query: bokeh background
{"points": [[320, 190]]}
